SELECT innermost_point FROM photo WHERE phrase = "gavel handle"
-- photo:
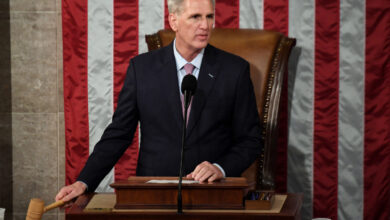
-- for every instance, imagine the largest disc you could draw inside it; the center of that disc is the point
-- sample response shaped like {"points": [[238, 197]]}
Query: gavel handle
{"points": [[53, 205]]}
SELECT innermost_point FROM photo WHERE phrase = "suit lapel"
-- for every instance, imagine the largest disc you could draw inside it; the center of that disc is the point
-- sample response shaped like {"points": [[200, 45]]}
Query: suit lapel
{"points": [[207, 75], [169, 83]]}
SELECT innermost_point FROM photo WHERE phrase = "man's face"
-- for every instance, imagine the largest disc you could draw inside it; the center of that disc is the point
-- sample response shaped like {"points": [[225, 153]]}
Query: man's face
{"points": [[193, 24]]}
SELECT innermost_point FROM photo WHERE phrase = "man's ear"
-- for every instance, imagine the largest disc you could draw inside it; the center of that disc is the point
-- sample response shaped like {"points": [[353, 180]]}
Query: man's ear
{"points": [[172, 18]]}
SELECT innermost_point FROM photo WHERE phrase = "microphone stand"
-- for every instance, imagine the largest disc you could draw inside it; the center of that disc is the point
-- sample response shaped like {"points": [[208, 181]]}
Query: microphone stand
{"points": [[179, 195]]}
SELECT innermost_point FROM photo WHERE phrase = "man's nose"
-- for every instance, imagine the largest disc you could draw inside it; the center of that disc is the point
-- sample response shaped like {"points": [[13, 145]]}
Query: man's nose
{"points": [[204, 23]]}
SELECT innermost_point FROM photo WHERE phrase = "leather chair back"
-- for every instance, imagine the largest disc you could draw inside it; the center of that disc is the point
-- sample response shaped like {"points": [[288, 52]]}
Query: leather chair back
{"points": [[267, 53]]}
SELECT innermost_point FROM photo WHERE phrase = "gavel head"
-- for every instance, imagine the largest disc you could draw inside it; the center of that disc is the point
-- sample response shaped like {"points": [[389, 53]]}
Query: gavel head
{"points": [[35, 209]]}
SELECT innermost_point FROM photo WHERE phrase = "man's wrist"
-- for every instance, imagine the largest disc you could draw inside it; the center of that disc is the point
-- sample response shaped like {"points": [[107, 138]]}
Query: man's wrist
{"points": [[221, 169], [82, 184]]}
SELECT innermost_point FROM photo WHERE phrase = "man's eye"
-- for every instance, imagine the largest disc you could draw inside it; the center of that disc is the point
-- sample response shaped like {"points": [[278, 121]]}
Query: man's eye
{"points": [[195, 16]]}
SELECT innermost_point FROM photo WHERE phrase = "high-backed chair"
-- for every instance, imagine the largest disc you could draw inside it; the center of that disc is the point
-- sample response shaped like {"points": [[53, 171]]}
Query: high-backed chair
{"points": [[268, 53]]}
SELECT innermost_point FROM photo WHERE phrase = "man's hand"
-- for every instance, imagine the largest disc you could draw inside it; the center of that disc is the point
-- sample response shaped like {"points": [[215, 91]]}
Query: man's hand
{"points": [[206, 171], [67, 193]]}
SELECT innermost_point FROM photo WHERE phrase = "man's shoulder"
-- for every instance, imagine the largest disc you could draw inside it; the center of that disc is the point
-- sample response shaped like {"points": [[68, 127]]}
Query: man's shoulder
{"points": [[154, 55]]}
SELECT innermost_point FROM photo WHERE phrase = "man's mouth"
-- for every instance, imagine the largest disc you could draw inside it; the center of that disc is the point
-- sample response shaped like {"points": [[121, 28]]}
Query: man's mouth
{"points": [[202, 36]]}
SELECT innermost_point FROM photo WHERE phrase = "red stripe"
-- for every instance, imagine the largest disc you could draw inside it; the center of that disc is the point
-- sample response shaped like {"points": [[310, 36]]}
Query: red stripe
{"points": [[377, 111], [75, 48], [326, 109], [276, 15], [125, 47], [276, 18], [166, 13], [227, 13]]}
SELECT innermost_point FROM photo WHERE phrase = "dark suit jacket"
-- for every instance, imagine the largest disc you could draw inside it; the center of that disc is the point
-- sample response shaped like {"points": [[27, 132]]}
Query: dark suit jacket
{"points": [[223, 125]]}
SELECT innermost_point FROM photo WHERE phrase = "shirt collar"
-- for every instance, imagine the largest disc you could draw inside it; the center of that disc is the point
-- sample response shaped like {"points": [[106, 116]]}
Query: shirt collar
{"points": [[180, 61]]}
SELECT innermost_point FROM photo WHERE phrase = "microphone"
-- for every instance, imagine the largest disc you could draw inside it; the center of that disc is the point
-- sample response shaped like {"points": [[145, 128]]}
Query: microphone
{"points": [[188, 88]]}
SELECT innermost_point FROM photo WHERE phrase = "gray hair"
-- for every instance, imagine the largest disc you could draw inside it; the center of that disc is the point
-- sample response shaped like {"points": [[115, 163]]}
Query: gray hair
{"points": [[175, 6]]}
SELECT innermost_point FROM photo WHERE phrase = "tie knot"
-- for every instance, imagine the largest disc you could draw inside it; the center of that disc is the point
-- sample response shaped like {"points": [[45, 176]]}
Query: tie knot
{"points": [[189, 68]]}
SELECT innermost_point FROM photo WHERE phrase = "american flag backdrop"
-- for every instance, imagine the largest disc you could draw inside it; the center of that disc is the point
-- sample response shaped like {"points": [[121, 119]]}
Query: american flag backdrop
{"points": [[334, 143]]}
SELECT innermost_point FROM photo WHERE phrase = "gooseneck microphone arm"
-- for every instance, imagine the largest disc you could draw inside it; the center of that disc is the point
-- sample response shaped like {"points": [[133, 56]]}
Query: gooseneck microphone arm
{"points": [[188, 89], [183, 142]]}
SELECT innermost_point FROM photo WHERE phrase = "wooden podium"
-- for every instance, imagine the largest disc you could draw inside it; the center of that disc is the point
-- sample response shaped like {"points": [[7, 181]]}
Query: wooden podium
{"points": [[138, 193], [137, 199]]}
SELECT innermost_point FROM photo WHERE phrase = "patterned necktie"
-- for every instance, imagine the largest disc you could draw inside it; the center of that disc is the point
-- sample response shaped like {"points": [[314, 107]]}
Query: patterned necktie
{"points": [[188, 68]]}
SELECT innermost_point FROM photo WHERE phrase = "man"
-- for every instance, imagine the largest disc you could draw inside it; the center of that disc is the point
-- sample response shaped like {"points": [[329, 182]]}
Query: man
{"points": [[223, 132]]}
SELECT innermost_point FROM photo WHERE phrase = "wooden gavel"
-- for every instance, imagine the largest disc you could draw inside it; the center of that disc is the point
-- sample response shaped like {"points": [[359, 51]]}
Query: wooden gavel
{"points": [[37, 208]]}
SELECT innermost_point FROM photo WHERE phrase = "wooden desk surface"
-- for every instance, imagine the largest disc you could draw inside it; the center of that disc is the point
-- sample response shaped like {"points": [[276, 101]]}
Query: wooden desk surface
{"points": [[290, 210]]}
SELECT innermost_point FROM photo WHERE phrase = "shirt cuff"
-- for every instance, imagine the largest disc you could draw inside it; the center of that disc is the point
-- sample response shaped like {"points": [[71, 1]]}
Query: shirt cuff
{"points": [[221, 169]]}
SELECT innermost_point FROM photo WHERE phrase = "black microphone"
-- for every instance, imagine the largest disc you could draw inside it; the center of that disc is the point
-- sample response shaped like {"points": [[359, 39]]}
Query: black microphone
{"points": [[188, 88]]}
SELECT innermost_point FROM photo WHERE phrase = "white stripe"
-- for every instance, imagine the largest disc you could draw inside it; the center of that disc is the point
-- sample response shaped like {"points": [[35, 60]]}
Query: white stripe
{"points": [[100, 74], [251, 14], [351, 110], [151, 19], [301, 96]]}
